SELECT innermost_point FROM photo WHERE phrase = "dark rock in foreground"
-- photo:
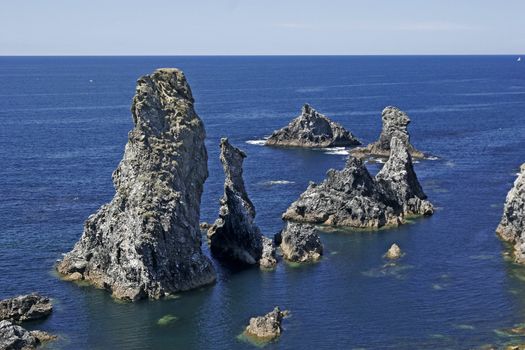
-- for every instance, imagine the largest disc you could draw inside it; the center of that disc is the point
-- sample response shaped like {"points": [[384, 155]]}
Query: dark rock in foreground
{"points": [[15, 337], [234, 235], [146, 242], [300, 243], [352, 197], [395, 124], [312, 130], [25, 308], [267, 327], [512, 225]]}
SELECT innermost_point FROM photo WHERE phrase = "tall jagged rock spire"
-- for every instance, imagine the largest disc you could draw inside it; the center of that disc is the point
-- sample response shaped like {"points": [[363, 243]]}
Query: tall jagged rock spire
{"points": [[394, 124], [146, 242], [234, 235]]}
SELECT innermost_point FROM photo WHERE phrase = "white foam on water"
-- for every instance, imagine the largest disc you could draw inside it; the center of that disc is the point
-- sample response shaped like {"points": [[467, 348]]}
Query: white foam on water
{"points": [[432, 158], [257, 142], [278, 182]]}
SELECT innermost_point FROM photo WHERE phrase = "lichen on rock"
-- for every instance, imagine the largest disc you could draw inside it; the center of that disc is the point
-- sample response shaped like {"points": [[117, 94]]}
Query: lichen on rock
{"points": [[146, 242], [312, 129], [512, 225]]}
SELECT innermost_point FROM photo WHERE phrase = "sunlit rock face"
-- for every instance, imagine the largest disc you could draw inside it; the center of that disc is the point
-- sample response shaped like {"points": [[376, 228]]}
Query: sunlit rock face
{"points": [[146, 242], [512, 225]]}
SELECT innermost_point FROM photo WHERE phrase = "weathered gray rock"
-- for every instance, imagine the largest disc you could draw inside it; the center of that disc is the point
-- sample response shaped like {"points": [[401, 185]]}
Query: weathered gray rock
{"points": [[268, 259], [512, 225], [395, 124], [399, 178], [14, 337], [352, 197], [25, 308], [312, 130], [146, 242], [300, 243], [234, 235], [267, 327], [394, 252]]}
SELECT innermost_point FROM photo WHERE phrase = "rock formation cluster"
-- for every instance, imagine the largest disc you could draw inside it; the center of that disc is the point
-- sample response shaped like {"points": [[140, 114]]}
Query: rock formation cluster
{"points": [[394, 124], [352, 197], [146, 242], [300, 243], [267, 327], [512, 225], [21, 309], [312, 130]]}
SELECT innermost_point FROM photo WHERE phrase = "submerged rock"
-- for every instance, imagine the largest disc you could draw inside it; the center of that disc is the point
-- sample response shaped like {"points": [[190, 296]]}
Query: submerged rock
{"points": [[146, 242], [512, 225], [352, 197], [395, 124], [25, 308], [394, 252], [312, 130], [300, 243], [267, 327], [234, 235]]}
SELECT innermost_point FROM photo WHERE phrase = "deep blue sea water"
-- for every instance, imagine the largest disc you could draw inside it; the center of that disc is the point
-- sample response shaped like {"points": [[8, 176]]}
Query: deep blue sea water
{"points": [[63, 127]]}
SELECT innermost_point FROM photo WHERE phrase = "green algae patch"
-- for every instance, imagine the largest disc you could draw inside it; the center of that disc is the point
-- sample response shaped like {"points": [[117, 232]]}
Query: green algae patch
{"points": [[255, 341], [167, 320]]}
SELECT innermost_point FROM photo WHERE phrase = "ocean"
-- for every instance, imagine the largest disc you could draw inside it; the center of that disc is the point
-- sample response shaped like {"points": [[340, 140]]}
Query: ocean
{"points": [[63, 126]]}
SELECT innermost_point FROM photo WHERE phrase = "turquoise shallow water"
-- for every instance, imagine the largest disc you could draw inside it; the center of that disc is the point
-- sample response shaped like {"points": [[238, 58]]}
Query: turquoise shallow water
{"points": [[63, 127]]}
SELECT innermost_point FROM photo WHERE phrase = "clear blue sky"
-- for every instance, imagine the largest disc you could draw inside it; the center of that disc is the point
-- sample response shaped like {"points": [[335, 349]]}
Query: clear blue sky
{"points": [[217, 27]]}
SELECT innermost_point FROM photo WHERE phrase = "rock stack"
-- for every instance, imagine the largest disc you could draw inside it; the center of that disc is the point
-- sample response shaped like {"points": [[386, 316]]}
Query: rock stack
{"points": [[146, 242], [512, 225], [300, 243], [352, 197], [234, 236], [312, 130], [395, 124]]}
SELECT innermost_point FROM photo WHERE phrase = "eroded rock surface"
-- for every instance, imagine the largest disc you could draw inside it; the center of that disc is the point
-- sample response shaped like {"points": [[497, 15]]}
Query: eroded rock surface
{"points": [[395, 124], [268, 259], [146, 242], [234, 235], [352, 197], [267, 327], [312, 130], [25, 308], [300, 243], [512, 225], [15, 337]]}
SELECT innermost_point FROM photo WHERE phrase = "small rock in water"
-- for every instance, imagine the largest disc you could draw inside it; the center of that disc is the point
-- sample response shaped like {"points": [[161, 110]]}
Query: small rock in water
{"points": [[25, 308], [312, 130], [300, 243], [268, 260], [267, 327], [15, 337], [394, 252]]}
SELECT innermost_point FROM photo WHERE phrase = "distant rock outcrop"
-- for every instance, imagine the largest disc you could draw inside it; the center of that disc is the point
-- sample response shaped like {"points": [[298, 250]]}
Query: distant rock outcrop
{"points": [[312, 130], [395, 123], [25, 308], [512, 225], [234, 235], [352, 197], [146, 242], [267, 327], [300, 243]]}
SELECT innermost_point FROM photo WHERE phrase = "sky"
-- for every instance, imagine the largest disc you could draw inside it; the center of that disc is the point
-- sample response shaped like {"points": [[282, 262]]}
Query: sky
{"points": [[261, 27]]}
